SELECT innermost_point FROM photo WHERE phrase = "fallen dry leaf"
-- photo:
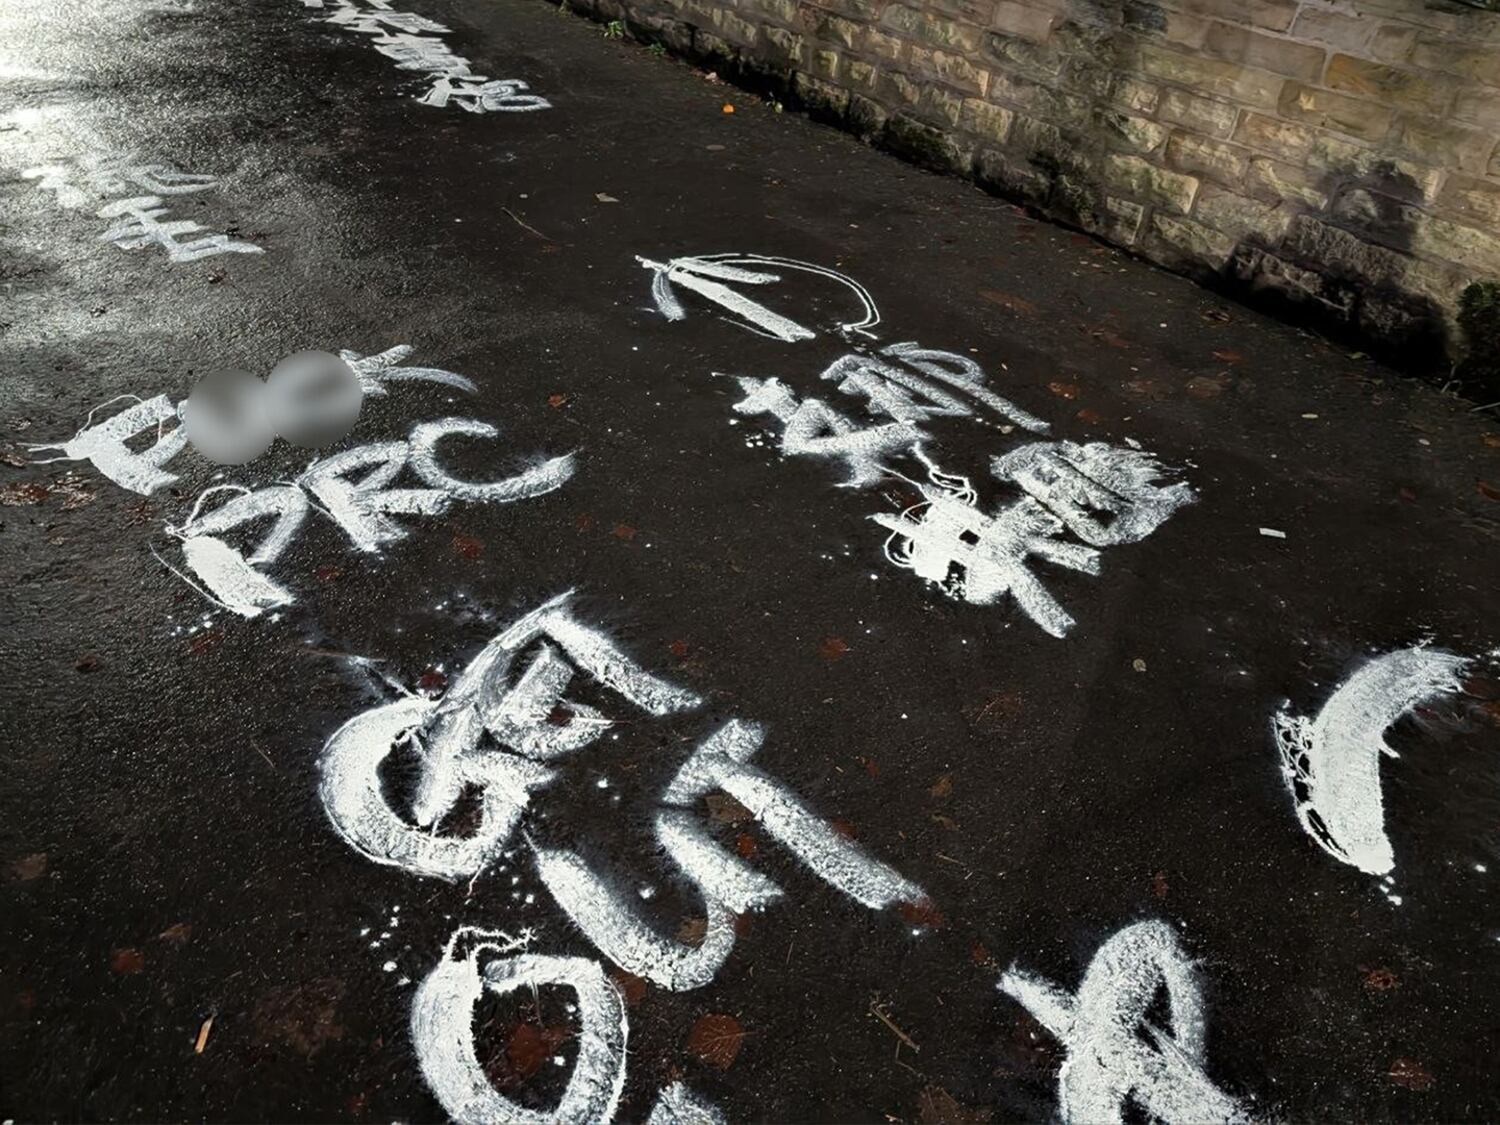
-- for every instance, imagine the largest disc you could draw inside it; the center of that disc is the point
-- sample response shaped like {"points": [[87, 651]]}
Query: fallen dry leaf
{"points": [[1205, 386], [1229, 357], [127, 962], [431, 681], [1488, 490], [178, 934], [679, 649], [1491, 440], [724, 809], [1411, 1074], [529, 1047], [467, 547], [30, 867], [1089, 417], [557, 402], [624, 531], [1159, 885], [89, 662], [745, 845], [632, 987], [728, 108], [942, 787], [716, 1040], [1009, 302], [1064, 390], [833, 648], [1381, 980], [605, 197]]}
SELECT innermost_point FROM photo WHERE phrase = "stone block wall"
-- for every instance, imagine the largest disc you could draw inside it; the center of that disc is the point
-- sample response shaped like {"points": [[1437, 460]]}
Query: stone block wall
{"points": [[1337, 156]]}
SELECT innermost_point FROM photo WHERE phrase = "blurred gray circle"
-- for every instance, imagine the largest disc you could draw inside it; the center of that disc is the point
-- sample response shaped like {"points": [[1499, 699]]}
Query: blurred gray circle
{"points": [[224, 417], [313, 399]]}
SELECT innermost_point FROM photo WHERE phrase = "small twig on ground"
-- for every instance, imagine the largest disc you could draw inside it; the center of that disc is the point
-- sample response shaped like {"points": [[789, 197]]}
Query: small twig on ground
{"points": [[885, 1019], [203, 1036], [525, 225], [1486, 406]]}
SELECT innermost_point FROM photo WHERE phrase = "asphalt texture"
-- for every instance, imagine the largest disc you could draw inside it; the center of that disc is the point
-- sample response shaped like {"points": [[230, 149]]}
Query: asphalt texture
{"points": [[183, 934]]}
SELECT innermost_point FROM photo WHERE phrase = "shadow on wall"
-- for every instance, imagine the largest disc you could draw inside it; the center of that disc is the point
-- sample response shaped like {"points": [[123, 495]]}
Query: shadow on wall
{"points": [[1336, 247]]}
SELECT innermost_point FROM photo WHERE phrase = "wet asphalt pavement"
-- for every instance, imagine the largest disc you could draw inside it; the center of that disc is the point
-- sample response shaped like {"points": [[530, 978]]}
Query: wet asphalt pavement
{"points": [[185, 936]]}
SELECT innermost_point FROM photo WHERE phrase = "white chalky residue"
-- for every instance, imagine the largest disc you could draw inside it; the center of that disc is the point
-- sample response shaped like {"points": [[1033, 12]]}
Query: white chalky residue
{"points": [[947, 531], [706, 274], [450, 731], [231, 579], [1114, 1055], [678, 1105], [813, 428], [104, 445], [722, 875], [959, 372], [609, 921], [546, 477], [377, 370], [722, 762], [1331, 763], [442, 1031], [139, 224], [354, 798], [1074, 482]]}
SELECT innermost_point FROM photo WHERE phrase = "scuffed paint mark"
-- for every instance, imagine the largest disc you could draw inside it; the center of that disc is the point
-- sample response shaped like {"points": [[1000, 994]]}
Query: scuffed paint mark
{"points": [[679, 1105], [1080, 483], [705, 274], [722, 762], [1331, 763], [609, 921], [1114, 1054], [442, 1031], [104, 445]]}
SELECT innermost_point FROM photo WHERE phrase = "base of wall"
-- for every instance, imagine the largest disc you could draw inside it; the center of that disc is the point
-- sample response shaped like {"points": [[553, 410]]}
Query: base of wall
{"points": [[1318, 269]]}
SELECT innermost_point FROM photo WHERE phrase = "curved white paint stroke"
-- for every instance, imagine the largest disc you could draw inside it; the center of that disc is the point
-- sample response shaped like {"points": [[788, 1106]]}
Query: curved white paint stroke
{"points": [[227, 573], [1073, 482], [288, 507], [617, 931], [1113, 1053], [963, 372], [678, 1105], [442, 1031], [1331, 763], [104, 446], [536, 481], [722, 875], [354, 797], [721, 762], [703, 274], [231, 579], [378, 369], [363, 507]]}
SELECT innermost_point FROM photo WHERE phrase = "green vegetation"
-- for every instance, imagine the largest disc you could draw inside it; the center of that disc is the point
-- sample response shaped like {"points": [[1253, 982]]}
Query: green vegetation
{"points": [[1479, 317], [614, 29]]}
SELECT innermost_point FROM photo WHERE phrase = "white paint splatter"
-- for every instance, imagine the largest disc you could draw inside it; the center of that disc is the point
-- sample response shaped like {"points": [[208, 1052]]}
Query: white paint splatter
{"points": [[1114, 1055], [442, 1030], [722, 762], [1331, 763], [139, 225], [104, 445], [815, 429], [947, 540], [679, 1105], [610, 921], [1074, 482]]}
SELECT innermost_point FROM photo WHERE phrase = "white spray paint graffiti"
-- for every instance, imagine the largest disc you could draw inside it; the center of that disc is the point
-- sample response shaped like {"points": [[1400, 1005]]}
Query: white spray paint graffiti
{"points": [[948, 541], [1105, 495], [138, 220], [442, 1031], [512, 701], [408, 39], [1115, 1055], [105, 444], [352, 489], [706, 275], [1331, 763]]}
